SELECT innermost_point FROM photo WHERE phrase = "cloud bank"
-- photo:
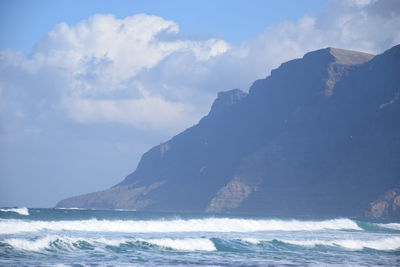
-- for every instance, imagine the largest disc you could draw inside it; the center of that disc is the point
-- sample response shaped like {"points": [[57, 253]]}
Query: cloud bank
{"points": [[91, 71], [138, 70]]}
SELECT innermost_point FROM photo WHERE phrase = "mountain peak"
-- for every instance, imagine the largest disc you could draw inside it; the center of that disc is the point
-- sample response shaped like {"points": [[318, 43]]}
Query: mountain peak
{"points": [[329, 64], [341, 56]]}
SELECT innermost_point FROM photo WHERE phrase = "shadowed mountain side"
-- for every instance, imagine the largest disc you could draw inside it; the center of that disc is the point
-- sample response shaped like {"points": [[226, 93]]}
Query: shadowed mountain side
{"points": [[319, 136]]}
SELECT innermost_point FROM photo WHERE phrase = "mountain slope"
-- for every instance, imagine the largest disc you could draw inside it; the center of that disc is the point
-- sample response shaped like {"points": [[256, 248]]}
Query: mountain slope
{"points": [[319, 136]]}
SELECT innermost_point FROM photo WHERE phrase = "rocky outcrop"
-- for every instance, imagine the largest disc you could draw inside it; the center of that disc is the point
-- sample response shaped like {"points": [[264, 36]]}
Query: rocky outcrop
{"points": [[319, 136], [231, 196], [386, 206], [338, 68]]}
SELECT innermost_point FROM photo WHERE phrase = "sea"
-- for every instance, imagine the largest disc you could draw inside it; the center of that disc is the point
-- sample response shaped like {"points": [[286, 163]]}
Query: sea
{"points": [[77, 237]]}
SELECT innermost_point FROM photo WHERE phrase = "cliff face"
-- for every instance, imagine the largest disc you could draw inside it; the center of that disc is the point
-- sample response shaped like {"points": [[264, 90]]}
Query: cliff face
{"points": [[386, 206], [319, 136]]}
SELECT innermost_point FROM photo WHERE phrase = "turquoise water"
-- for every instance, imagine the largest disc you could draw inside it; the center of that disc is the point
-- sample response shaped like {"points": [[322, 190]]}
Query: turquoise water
{"points": [[69, 237]]}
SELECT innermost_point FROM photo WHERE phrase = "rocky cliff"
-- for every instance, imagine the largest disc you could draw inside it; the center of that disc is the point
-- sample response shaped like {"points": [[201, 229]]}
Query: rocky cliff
{"points": [[319, 136]]}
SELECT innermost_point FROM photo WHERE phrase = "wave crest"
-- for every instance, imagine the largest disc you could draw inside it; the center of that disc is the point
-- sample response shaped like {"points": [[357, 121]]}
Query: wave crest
{"points": [[22, 211], [47, 242], [188, 244], [66, 243], [13, 226], [385, 244], [394, 226]]}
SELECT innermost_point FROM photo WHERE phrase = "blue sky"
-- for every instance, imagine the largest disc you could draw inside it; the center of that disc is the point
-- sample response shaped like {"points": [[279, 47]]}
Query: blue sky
{"points": [[25, 22], [86, 87]]}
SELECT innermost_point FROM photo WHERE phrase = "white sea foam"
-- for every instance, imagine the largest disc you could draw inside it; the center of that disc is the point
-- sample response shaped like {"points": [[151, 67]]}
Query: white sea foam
{"points": [[187, 244], [158, 226], [41, 243], [63, 242], [67, 243], [394, 226], [391, 243], [21, 211], [190, 244], [35, 245]]}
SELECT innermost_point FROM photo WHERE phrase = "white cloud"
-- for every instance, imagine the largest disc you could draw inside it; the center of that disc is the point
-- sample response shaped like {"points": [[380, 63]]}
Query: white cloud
{"points": [[145, 113], [119, 48], [95, 67], [138, 71], [369, 26]]}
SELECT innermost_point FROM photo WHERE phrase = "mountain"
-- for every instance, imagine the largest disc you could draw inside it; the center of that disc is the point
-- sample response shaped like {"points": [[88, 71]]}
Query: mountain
{"points": [[319, 136]]}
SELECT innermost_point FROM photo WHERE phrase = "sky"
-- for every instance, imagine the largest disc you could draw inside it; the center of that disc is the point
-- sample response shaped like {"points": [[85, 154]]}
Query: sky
{"points": [[86, 87]]}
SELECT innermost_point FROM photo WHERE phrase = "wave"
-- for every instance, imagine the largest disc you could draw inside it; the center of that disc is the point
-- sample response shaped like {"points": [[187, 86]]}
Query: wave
{"points": [[71, 209], [76, 208], [13, 226], [48, 242], [384, 244], [125, 209], [254, 241], [394, 226], [22, 211], [391, 243], [64, 243], [188, 244]]}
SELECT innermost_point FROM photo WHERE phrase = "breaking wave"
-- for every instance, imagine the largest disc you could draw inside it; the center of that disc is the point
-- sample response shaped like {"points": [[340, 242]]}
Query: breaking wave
{"points": [[188, 244], [384, 244], [394, 226], [392, 243], [192, 225], [65, 243], [47, 242], [21, 211]]}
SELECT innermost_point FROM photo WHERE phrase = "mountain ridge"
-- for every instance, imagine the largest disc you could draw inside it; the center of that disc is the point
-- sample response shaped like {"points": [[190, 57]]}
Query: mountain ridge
{"points": [[266, 151]]}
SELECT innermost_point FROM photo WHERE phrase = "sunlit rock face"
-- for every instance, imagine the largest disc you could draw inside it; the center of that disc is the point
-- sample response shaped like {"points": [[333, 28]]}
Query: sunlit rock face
{"points": [[319, 136], [386, 206]]}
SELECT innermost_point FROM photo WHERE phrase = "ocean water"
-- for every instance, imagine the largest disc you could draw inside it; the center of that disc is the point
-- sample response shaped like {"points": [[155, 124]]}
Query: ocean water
{"points": [[72, 237]]}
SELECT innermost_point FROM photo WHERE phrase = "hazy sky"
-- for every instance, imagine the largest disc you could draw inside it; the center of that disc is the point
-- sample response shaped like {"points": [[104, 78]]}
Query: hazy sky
{"points": [[86, 87]]}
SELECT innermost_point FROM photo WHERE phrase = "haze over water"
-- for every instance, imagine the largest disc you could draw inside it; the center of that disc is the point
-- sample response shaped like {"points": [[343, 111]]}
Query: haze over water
{"points": [[68, 237]]}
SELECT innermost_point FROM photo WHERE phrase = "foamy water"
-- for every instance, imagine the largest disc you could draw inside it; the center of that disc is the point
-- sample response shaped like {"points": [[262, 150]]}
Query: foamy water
{"points": [[129, 238], [67, 243], [171, 226], [395, 226], [21, 211], [385, 244]]}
